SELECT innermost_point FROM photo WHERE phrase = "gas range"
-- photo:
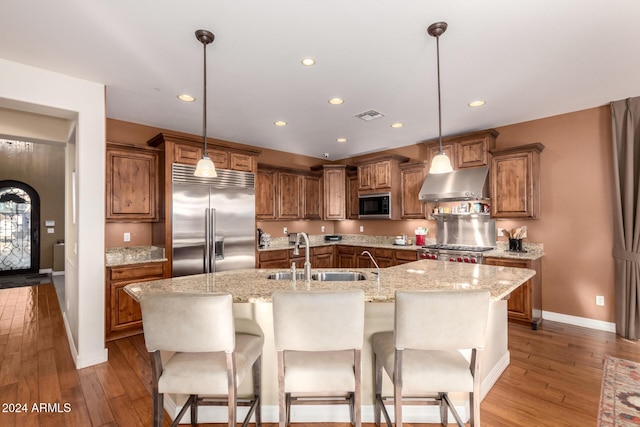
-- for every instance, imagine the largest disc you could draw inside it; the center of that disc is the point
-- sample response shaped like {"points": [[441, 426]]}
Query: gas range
{"points": [[454, 253]]}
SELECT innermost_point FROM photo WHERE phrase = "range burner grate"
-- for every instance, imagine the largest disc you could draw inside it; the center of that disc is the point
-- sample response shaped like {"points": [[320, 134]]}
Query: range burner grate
{"points": [[462, 248]]}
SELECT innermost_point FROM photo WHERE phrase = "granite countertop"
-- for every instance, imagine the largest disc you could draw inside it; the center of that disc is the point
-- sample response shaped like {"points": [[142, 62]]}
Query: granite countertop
{"points": [[252, 285], [134, 255], [531, 251]]}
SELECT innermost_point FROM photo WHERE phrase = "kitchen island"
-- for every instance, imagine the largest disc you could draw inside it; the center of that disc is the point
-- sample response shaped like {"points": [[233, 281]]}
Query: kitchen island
{"points": [[252, 290]]}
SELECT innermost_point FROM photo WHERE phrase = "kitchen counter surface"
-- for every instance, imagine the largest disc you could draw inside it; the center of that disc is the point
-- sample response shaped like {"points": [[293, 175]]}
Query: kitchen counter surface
{"points": [[532, 251], [134, 255], [252, 285]]}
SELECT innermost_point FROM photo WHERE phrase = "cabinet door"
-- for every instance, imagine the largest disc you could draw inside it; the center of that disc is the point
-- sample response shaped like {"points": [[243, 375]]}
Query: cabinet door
{"points": [[411, 183], [519, 303], [322, 257], [266, 194], [366, 177], [512, 186], [334, 194], [273, 259], [449, 150], [352, 204], [382, 175], [241, 162], [312, 197], [131, 185], [187, 154], [125, 311], [219, 158], [290, 191], [402, 256], [472, 153], [346, 257]]}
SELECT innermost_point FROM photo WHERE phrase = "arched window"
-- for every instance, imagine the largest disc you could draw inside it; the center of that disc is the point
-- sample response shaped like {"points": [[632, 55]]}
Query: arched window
{"points": [[19, 228]]}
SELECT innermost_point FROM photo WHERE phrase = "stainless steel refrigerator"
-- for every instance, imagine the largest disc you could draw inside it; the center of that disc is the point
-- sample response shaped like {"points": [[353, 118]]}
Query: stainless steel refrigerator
{"points": [[213, 221]]}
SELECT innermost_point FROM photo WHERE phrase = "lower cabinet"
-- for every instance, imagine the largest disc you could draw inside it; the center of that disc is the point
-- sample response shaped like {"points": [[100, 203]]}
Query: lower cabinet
{"points": [[122, 313], [525, 303], [336, 256]]}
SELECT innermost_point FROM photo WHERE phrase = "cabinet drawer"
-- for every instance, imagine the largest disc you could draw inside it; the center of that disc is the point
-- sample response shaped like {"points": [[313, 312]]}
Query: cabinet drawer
{"points": [[273, 255], [383, 253], [406, 255], [347, 250], [137, 271], [241, 162], [322, 250]]}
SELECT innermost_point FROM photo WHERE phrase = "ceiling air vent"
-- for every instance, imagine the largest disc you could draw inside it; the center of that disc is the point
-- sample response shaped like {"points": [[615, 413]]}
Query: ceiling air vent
{"points": [[369, 115]]}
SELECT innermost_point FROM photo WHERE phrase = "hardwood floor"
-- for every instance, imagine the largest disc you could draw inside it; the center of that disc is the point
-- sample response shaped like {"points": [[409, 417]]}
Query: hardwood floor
{"points": [[553, 380]]}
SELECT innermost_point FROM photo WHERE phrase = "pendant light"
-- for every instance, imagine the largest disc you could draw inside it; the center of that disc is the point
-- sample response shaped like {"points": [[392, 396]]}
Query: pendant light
{"points": [[205, 166], [440, 162]]}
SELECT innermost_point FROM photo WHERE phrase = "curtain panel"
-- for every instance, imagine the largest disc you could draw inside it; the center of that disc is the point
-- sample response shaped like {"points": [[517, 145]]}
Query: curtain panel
{"points": [[625, 115]]}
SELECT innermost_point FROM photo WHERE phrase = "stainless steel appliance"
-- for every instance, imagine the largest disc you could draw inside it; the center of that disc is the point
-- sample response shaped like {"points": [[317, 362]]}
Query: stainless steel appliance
{"points": [[461, 238], [453, 253], [213, 221], [374, 206], [461, 184]]}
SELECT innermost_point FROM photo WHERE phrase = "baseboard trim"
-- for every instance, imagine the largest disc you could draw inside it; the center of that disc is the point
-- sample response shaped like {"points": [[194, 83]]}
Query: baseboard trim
{"points": [[83, 362], [579, 321]]}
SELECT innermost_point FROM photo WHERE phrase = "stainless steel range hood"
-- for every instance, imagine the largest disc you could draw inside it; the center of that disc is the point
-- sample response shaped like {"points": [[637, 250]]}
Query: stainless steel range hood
{"points": [[461, 184]]}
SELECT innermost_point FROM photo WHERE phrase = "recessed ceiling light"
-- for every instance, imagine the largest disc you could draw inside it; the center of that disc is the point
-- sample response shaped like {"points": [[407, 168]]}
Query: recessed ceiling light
{"points": [[341, 139], [308, 62], [478, 103], [186, 98], [280, 123], [397, 125], [336, 101]]}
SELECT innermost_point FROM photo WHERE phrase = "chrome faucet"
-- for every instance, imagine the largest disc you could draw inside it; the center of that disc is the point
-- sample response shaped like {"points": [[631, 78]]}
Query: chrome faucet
{"points": [[374, 263], [296, 251]]}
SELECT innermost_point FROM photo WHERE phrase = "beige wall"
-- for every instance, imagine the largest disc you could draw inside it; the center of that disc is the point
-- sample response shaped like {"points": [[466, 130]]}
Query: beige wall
{"points": [[43, 169], [575, 222]]}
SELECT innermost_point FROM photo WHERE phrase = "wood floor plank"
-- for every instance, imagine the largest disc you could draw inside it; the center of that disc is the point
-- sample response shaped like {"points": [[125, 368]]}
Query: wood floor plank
{"points": [[97, 403]]}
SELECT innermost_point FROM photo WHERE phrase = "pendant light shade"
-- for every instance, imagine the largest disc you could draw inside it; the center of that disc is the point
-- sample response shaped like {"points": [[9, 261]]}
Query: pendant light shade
{"points": [[205, 166], [440, 162]]}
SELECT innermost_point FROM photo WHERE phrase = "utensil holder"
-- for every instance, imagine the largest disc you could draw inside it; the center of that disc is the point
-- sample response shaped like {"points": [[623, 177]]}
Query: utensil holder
{"points": [[420, 239], [515, 245]]}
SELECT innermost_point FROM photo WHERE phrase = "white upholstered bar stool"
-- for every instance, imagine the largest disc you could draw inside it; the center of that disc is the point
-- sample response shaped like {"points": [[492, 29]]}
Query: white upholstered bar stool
{"points": [[422, 355], [202, 354], [318, 338]]}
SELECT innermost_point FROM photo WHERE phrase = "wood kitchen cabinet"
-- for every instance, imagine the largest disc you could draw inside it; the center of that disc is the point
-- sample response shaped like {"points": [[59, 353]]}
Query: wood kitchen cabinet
{"points": [[403, 256], [313, 200], [515, 181], [334, 188], [467, 150], [274, 259], [351, 189], [131, 183], [290, 195], [322, 257], [525, 302], [412, 177], [122, 313], [345, 256], [381, 174], [266, 194]]}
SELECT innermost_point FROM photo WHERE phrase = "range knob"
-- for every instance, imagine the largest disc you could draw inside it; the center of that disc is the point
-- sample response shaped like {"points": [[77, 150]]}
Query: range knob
{"points": [[466, 259], [474, 261], [452, 260], [459, 259]]}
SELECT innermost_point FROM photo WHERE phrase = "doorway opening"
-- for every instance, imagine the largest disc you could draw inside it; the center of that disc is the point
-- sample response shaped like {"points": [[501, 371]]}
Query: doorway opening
{"points": [[19, 228]]}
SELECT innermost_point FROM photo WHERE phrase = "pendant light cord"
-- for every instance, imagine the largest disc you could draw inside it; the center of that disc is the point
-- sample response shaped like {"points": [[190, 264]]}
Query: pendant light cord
{"points": [[439, 100], [204, 102]]}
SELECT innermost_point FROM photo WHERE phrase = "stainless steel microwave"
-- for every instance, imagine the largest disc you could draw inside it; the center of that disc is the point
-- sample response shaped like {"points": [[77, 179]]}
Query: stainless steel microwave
{"points": [[374, 206]]}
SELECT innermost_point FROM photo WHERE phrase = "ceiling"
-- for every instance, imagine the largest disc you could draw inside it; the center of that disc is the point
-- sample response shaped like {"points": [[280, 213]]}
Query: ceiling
{"points": [[527, 59]]}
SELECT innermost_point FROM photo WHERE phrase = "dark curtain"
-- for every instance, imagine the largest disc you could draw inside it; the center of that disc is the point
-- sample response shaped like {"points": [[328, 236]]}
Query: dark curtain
{"points": [[625, 118]]}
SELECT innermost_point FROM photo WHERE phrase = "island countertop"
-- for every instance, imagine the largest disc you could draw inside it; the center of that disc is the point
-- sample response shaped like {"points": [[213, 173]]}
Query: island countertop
{"points": [[252, 285]]}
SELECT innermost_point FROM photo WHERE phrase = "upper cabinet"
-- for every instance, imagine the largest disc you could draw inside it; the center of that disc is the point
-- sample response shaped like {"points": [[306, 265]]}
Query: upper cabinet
{"points": [[288, 194], [412, 177], [131, 183], [465, 151], [266, 194], [188, 150], [334, 183], [515, 181], [381, 174], [351, 191]]}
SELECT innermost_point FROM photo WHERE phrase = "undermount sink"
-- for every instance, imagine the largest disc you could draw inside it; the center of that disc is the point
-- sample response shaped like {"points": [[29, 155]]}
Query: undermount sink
{"points": [[325, 276], [285, 275], [338, 276]]}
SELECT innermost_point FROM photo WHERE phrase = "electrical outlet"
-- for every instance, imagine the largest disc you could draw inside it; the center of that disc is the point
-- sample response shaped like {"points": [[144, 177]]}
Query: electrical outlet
{"points": [[127, 237], [362, 228], [500, 232], [284, 230], [322, 229], [599, 300]]}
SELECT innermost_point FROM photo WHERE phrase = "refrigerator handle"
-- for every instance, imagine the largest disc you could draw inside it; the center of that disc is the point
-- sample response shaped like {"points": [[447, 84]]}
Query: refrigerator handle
{"points": [[212, 251], [207, 242]]}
